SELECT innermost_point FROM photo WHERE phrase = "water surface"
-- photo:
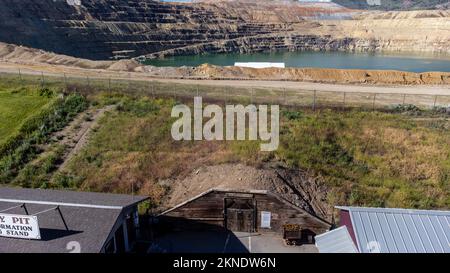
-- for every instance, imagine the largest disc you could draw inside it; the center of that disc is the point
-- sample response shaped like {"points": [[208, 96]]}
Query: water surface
{"points": [[343, 60]]}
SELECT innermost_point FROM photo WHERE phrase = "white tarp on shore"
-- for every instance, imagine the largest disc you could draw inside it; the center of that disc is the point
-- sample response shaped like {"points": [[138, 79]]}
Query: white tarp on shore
{"points": [[260, 65]]}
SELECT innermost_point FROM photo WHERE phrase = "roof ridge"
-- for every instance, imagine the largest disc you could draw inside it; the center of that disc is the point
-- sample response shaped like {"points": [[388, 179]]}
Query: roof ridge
{"points": [[18, 201]]}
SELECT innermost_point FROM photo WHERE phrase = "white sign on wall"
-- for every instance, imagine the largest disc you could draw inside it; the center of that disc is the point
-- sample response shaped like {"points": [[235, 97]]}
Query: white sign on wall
{"points": [[266, 218], [19, 226]]}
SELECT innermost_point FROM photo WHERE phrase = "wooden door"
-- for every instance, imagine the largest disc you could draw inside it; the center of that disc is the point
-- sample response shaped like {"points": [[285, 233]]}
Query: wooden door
{"points": [[240, 215]]}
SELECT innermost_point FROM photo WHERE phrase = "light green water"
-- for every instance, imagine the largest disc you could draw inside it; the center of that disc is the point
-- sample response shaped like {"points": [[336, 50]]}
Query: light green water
{"points": [[342, 60]]}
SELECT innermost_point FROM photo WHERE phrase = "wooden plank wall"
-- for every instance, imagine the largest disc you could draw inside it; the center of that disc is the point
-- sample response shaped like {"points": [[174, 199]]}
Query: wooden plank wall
{"points": [[283, 214], [210, 209]]}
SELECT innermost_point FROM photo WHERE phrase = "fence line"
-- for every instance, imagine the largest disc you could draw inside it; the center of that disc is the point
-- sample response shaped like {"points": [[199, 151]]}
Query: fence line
{"points": [[283, 96]]}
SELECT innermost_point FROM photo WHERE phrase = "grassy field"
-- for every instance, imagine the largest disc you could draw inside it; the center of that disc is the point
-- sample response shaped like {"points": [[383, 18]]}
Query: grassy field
{"points": [[365, 158], [17, 105], [30, 116]]}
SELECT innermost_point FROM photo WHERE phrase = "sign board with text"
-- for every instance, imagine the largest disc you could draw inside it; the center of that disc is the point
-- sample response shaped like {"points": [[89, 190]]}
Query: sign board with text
{"points": [[266, 218], [19, 226]]}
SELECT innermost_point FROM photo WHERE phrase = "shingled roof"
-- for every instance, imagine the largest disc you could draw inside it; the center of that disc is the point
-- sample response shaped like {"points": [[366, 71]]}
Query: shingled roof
{"points": [[90, 218]]}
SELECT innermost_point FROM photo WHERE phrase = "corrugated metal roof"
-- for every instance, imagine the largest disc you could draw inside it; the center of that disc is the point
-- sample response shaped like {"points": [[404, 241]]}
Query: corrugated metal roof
{"points": [[383, 230], [336, 241]]}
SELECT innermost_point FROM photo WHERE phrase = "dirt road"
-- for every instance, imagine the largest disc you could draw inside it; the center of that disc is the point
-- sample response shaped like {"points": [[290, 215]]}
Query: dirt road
{"points": [[59, 71], [425, 90]]}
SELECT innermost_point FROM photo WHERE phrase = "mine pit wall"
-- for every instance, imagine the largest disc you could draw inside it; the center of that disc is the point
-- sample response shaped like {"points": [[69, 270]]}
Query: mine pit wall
{"points": [[120, 28], [273, 43], [406, 31], [424, 32], [116, 29]]}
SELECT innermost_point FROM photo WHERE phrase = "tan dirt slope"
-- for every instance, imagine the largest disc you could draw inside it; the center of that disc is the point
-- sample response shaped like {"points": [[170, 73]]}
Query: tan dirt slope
{"points": [[352, 76], [25, 55]]}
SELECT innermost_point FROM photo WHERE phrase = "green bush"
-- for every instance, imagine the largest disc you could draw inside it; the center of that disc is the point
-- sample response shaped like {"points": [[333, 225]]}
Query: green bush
{"points": [[291, 115], [64, 181], [409, 109], [46, 92]]}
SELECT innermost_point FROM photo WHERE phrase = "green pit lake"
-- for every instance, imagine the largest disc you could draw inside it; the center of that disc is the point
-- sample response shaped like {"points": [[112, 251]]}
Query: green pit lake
{"points": [[341, 60]]}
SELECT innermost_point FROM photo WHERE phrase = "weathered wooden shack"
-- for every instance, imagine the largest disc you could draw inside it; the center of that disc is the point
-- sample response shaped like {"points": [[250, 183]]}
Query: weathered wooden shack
{"points": [[246, 211]]}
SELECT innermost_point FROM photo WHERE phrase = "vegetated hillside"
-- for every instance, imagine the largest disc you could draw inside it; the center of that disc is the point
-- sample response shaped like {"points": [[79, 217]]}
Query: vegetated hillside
{"points": [[325, 158], [394, 4], [361, 158]]}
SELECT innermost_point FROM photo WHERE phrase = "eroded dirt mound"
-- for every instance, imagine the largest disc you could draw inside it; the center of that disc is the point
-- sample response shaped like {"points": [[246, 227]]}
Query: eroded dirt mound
{"points": [[21, 54], [294, 185], [125, 65]]}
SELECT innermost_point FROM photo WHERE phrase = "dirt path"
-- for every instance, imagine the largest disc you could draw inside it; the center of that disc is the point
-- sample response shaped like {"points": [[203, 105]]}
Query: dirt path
{"points": [[425, 90], [75, 135]]}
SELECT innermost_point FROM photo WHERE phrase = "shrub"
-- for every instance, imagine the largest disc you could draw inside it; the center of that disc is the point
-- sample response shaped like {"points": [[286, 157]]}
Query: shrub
{"points": [[46, 92], [409, 109], [291, 115]]}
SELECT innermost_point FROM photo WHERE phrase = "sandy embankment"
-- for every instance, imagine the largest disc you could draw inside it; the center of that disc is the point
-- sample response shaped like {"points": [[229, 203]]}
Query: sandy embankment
{"points": [[30, 56], [345, 76]]}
